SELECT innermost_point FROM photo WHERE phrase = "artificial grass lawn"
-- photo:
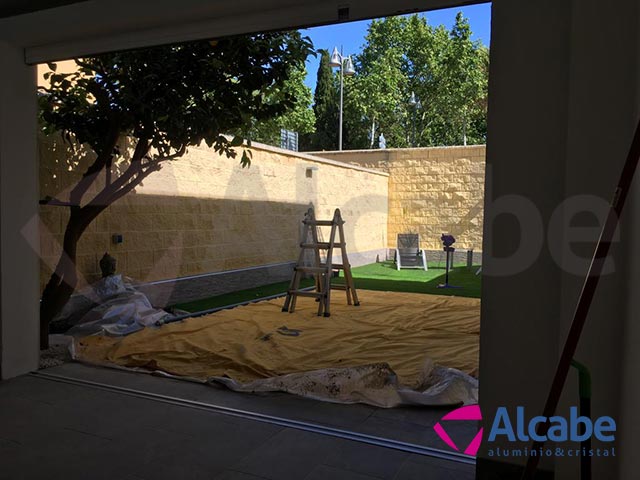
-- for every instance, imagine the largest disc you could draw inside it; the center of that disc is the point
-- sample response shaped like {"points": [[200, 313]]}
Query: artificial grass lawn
{"points": [[375, 276], [384, 276]]}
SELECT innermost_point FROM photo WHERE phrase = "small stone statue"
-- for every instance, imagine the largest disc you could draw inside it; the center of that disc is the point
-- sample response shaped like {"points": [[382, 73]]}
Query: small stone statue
{"points": [[107, 265], [382, 143]]}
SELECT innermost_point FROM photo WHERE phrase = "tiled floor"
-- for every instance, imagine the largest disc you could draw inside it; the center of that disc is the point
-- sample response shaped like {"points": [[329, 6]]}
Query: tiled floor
{"points": [[405, 424], [51, 430]]}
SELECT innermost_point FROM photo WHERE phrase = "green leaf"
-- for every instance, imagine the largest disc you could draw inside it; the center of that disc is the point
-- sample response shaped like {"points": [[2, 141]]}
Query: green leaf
{"points": [[246, 159], [237, 141]]}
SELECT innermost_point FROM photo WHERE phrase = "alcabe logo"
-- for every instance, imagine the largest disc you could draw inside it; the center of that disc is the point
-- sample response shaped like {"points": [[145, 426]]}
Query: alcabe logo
{"points": [[470, 412], [575, 429]]}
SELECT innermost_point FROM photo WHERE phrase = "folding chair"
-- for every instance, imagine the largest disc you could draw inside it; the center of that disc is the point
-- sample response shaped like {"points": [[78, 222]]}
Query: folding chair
{"points": [[408, 253]]}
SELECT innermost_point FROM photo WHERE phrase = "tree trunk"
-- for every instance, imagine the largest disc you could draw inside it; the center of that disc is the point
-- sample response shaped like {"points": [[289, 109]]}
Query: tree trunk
{"points": [[64, 278]]}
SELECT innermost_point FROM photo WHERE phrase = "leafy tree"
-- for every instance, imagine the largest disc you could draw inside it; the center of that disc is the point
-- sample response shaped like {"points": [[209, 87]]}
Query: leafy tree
{"points": [[373, 100], [163, 99], [300, 118], [325, 108], [447, 71]]}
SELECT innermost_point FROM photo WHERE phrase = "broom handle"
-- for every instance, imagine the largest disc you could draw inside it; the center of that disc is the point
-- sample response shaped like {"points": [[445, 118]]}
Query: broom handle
{"points": [[586, 296]]}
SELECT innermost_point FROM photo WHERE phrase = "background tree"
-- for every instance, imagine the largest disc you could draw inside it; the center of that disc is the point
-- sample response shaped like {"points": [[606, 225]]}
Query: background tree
{"points": [[299, 118], [445, 68], [325, 108], [373, 101], [163, 100]]}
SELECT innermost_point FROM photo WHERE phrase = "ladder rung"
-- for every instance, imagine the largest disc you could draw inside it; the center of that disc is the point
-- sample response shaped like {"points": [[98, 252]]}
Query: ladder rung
{"points": [[306, 293], [312, 269], [334, 266], [323, 245], [320, 223]]}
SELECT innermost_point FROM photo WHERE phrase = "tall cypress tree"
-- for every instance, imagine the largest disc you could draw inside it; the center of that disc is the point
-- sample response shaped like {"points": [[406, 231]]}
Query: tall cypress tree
{"points": [[325, 107]]}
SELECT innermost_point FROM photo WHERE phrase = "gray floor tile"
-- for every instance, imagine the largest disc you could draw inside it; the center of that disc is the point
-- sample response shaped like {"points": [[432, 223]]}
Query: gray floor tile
{"points": [[366, 459], [325, 472], [304, 409], [31, 388], [233, 475], [427, 417], [401, 431], [434, 469], [291, 454], [201, 423], [435, 462], [200, 456]]}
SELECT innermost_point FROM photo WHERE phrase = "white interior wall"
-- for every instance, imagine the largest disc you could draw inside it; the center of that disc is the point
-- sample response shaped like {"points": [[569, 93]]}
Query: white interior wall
{"points": [[526, 151], [18, 208], [563, 109], [603, 106]]}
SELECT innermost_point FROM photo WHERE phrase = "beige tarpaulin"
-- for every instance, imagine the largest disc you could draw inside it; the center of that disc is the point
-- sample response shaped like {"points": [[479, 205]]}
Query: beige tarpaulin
{"points": [[259, 341]]}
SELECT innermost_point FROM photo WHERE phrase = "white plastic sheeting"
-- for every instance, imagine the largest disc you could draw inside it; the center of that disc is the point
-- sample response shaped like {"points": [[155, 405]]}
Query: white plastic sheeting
{"points": [[110, 305], [375, 384]]}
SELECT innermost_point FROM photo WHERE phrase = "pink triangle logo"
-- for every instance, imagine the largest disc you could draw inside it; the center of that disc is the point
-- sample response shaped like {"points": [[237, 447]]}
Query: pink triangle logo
{"points": [[470, 412]]}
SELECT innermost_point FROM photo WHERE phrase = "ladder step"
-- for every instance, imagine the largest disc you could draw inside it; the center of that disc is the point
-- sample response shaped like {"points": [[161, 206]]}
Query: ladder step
{"points": [[320, 223], [306, 293], [334, 266], [312, 269], [320, 245]]}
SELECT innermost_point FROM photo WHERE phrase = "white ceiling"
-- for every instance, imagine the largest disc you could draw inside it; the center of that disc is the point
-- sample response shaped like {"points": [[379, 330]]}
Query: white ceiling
{"points": [[9, 8], [95, 26]]}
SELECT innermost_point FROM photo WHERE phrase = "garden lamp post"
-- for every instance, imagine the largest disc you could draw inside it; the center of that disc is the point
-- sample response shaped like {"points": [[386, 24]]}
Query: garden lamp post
{"points": [[414, 103], [346, 68]]}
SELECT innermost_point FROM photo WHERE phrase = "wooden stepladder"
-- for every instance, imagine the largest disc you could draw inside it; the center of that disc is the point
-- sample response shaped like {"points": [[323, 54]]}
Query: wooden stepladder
{"points": [[322, 271]]}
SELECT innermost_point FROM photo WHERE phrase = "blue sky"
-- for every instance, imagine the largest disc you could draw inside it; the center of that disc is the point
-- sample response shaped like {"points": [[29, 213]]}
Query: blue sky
{"points": [[351, 35]]}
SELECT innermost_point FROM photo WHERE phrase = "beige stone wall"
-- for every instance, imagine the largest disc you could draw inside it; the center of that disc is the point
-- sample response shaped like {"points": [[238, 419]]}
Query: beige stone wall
{"points": [[63, 66], [204, 213], [431, 191]]}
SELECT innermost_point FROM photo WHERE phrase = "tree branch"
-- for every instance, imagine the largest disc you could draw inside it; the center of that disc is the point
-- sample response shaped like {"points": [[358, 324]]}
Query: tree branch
{"points": [[104, 158], [181, 151], [134, 171], [110, 196], [135, 166]]}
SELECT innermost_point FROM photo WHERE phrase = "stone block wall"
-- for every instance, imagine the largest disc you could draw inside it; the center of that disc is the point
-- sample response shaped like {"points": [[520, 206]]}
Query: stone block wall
{"points": [[203, 213], [431, 191]]}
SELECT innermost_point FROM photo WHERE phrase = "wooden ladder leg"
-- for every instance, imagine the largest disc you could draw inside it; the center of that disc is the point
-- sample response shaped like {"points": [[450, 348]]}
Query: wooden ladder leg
{"points": [[348, 278], [321, 300], [287, 300], [351, 287], [290, 300], [329, 263], [296, 287], [345, 263], [319, 279]]}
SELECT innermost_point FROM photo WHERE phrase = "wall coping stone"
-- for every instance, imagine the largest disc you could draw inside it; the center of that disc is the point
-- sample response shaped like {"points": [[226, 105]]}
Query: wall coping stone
{"points": [[389, 150], [306, 156]]}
